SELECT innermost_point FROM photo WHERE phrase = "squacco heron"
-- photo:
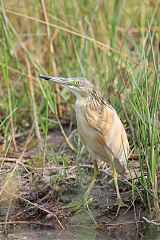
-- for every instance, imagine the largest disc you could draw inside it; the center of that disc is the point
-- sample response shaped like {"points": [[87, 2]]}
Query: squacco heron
{"points": [[99, 127]]}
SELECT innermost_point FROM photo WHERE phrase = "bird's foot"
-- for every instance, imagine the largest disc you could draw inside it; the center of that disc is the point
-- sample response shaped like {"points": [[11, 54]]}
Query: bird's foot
{"points": [[79, 206], [119, 204]]}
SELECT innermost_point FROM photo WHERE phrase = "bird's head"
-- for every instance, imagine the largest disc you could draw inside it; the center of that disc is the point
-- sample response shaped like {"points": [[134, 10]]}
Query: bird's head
{"points": [[79, 86]]}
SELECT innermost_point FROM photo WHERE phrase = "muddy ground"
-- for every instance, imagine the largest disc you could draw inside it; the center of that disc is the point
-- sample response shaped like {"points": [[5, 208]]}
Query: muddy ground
{"points": [[39, 196]]}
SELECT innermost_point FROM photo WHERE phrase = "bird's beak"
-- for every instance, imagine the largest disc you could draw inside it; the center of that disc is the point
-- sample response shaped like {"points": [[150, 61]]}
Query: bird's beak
{"points": [[60, 80]]}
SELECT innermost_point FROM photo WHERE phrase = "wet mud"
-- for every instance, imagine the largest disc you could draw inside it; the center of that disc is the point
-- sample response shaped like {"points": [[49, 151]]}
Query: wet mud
{"points": [[40, 197]]}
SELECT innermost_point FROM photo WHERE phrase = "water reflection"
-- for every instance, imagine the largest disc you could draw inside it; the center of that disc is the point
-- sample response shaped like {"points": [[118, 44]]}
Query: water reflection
{"points": [[151, 232], [78, 234], [20, 233], [55, 234]]}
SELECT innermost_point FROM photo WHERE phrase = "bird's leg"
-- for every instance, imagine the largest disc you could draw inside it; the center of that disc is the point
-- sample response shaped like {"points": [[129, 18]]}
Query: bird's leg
{"points": [[119, 201], [84, 202], [96, 173]]}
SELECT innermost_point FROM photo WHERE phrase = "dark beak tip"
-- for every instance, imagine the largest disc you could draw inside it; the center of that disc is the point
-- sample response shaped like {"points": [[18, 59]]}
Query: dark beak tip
{"points": [[45, 77]]}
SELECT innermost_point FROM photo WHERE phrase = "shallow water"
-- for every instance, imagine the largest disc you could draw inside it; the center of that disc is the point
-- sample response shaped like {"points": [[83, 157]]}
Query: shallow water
{"points": [[151, 232], [79, 234], [56, 235]]}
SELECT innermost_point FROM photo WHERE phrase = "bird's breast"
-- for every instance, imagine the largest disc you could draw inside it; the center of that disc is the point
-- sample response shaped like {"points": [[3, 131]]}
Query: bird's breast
{"points": [[84, 129], [89, 136]]}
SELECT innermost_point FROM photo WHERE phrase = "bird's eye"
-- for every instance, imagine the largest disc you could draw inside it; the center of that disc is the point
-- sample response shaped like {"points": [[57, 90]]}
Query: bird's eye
{"points": [[78, 82]]}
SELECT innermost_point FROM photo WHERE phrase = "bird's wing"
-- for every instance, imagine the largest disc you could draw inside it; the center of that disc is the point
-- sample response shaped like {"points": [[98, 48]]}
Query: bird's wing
{"points": [[110, 133]]}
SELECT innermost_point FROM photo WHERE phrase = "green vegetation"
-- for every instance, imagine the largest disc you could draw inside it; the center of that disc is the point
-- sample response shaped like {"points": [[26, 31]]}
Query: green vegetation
{"points": [[115, 44]]}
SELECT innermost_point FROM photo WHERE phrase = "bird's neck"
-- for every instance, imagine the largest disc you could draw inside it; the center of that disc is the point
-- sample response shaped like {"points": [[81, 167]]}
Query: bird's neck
{"points": [[94, 100], [81, 101]]}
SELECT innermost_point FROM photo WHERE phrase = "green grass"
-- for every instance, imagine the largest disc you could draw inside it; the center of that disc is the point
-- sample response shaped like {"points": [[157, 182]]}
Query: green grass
{"points": [[115, 44]]}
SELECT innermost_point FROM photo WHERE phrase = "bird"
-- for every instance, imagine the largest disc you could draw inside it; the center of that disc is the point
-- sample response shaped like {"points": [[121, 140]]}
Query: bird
{"points": [[100, 128]]}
